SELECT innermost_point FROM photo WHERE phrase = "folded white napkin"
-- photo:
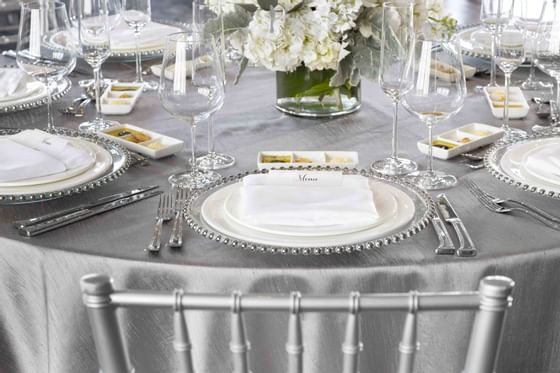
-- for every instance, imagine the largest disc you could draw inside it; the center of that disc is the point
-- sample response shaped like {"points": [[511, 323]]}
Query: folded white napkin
{"points": [[11, 81], [294, 198], [34, 153], [544, 161], [153, 36]]}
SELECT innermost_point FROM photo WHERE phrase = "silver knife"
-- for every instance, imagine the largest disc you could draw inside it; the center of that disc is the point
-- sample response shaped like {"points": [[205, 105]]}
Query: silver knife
{"points": [[79, 215], [39, 219], [468, 248], [446, 245]]}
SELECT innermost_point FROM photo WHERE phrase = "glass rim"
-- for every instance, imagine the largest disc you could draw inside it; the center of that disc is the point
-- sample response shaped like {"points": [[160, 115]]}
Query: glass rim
{"points": [[174, 37], [391, 4], [37, 4]]}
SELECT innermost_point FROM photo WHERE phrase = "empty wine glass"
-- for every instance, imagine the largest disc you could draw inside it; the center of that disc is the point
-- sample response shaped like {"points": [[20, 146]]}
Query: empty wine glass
{"points": [[208, 17], [510, 53], [192, 89], [95, 47], [547, 53], [36, 54], [494, 15], [397, 43], [434, 97], [137, 14], [528, 15]]}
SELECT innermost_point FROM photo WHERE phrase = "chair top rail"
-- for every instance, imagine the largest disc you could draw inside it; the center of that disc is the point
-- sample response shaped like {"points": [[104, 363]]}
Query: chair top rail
{"points": [[308, 303]]}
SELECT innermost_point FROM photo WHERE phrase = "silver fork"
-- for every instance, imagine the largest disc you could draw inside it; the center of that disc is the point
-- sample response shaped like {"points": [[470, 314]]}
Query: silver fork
{"points": [[495, 207], [500, 201], [176, 238], [164, 211]]}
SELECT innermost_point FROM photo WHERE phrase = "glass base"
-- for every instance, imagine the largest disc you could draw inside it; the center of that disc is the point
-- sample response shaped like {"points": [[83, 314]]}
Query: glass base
{"points": [[435, 180], [215, 161], [513, 134], [150, 85], [97, 125], [196, 180], [538, 128], [394, 166], [534, 85]]}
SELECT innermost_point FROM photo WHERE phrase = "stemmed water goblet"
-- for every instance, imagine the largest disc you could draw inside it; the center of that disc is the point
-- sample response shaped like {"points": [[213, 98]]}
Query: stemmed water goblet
{"points": [[434, 98], [137, 14], [191, 89], [95, 47], [397, 42], [510, 53], [494, 15], [528, 15], [547, 54], [36, 54], [207, 16]]}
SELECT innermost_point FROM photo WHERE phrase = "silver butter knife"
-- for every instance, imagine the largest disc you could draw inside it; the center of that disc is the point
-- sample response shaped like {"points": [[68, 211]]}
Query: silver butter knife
{"points": [[468, 248], [61, 221], [446, 245], [101, 201]]}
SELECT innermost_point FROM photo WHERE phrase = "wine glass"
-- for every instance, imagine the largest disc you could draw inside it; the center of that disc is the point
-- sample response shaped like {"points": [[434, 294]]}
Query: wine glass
{"points": [[547, 53], [435, 97], [510, 53], [208, 17], [95, 47], [36, 54], [137, 14], [528, 15], [494, 14], [192, 89], [397, 42]]}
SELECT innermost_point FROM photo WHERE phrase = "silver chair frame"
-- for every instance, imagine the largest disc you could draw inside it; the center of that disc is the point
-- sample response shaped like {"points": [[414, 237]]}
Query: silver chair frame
{"points": [[490, 303]]}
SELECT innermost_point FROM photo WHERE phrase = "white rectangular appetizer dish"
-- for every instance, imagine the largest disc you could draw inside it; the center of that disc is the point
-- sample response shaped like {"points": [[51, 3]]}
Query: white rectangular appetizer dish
{"points": [[461, 140], [518, 106], [276, 159], [120, 98], [140, 140]]}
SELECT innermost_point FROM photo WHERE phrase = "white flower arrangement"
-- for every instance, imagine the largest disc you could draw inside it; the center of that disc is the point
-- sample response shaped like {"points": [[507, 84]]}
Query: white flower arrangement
{"points": [[341, 35]]}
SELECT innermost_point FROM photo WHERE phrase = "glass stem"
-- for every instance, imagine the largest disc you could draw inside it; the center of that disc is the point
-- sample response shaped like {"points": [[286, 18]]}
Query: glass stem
{"points": [[395, 144], [430, 151], [194, 169], [493, 60], [50, 119], [557, 91], [531, 77], [138, 58], [211, 136], [97, 82], [505, 125]]}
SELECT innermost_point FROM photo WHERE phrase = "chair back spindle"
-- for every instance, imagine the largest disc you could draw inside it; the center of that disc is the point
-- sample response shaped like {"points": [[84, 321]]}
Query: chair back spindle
{"points": [[352, 344], [181, 341], [239, 346], [294, 345], [409, 345]]}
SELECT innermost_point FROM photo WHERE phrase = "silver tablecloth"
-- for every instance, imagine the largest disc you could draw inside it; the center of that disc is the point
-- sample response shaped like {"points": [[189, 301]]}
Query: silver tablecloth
{"points": [[43, 326]]}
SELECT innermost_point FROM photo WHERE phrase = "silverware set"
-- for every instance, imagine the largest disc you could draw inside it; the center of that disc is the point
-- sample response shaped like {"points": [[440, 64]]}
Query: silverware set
{"points": [[46, 223], [446, 213], [508, 205], [169, 208]]}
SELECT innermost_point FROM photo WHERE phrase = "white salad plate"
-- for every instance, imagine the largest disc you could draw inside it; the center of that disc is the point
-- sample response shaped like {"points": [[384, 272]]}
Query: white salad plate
{"points": [[80, 144], [392, 218]]}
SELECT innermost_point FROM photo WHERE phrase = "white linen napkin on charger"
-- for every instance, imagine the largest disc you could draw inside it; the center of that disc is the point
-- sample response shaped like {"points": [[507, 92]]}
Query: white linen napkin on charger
{"points": [[34, 153], [544, 161], [319, 199], [11, 81], [153, 36]]}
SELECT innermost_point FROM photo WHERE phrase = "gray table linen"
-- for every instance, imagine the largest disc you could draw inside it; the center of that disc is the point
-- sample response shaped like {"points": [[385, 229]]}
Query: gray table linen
{"points": [[44, 328]]}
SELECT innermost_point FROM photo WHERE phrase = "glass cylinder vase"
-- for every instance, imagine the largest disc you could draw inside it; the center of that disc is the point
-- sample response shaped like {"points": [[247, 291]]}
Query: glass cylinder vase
{"points": [[307, 93]]}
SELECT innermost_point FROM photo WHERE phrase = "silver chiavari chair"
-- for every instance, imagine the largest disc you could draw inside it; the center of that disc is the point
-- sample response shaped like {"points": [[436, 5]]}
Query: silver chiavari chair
{"points": [[490, 303]]}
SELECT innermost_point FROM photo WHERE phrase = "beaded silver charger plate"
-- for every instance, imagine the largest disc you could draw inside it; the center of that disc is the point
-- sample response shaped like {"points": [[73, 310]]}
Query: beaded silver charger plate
{"points": [[404, 211], [62, 88], [119, 160], [505, 161]]}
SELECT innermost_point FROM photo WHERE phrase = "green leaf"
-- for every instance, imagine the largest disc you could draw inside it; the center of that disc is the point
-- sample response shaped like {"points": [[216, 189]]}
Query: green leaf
{"points": [[321, 89], [296, 7], [267, 4], [242, 66], [248, 7], [343, 72]]}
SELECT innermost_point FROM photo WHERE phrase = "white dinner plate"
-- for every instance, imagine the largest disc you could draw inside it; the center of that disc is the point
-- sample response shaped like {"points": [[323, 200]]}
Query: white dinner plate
{"points": [[512, 163], [103, 163], [214, 206], [551, 178], [80, 144], [34, 91], [385, 203]]}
